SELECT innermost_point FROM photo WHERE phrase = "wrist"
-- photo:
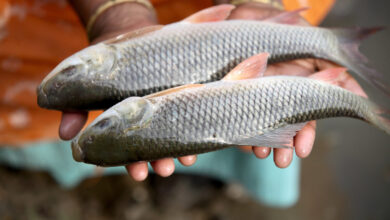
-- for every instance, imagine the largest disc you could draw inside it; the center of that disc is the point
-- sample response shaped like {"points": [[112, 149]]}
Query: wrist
{"points": [[114, 20], [120, 19]]}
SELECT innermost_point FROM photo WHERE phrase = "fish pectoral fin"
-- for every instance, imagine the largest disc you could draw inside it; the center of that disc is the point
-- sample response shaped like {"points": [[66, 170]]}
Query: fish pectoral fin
{"points": [[133, 34], [330, 75], [250, 68], [277, 138], [215, 13], [288, 17], [173, 90]]}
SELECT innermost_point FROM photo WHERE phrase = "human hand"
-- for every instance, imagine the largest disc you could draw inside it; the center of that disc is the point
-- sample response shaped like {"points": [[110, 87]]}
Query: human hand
{"points": [[134, 16], [304, 139]]}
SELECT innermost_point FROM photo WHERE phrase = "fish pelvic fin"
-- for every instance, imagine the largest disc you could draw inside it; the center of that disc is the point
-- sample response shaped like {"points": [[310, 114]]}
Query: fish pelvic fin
{"points": [[250, 68], [278, 138], [381, 119], [350, 40]]}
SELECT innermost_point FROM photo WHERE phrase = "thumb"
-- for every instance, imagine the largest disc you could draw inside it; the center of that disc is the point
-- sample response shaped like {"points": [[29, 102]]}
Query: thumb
{"points": [[71, 124]]}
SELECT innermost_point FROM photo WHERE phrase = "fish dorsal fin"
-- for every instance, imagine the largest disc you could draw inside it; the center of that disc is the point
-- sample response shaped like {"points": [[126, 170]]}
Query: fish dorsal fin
{"points": [[173, 90], [278, 138], [288, 17], [215, 13], [250, 68], [330, 75], [133, 34]]}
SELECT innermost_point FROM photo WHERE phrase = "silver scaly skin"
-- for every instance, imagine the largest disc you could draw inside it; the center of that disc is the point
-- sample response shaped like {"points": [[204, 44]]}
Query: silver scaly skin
{"points": [[261, 112], [181, 53]]}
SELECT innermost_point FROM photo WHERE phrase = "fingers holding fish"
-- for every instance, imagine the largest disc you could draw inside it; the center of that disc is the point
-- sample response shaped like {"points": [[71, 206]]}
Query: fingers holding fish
{"points": [[71, 124], [303, 143], [138, 170], [283, 156], [163, 167], [261, 152], [187, 160], [304, 140]]}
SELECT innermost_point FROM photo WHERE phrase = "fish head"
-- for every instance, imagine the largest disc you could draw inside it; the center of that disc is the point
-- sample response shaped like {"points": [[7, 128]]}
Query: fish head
{"points": [[75, 82], [113, 136]]}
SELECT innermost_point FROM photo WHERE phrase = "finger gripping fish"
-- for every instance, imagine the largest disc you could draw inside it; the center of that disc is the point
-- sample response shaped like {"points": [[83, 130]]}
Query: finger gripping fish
{"points": [[260, 112], [183, 53]]}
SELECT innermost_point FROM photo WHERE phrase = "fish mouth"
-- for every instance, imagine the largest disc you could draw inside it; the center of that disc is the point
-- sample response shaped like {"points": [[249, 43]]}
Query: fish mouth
{"points": [[43, 101], [77, 153]]}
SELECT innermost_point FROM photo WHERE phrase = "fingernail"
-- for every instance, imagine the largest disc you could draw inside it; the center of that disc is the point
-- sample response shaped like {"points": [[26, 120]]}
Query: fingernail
{"points": [[261, 152], [187, 160], [283, 160]]}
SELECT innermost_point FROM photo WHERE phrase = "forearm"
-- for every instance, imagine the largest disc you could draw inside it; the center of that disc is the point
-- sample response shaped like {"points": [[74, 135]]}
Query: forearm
{"points": [[115, 20]]}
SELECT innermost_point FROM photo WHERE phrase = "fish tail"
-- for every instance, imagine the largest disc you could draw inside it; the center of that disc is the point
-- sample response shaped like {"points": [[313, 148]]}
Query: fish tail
{"points": [[350, 40], [384, 121], [379, 117]]}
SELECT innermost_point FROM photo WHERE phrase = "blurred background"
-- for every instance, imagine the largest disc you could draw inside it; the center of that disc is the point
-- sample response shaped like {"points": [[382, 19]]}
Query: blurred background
{"points": [[346, 177]]}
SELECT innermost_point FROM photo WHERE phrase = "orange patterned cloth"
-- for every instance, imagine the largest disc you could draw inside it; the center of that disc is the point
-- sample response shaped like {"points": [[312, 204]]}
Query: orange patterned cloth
{"points": [[36, 35]]}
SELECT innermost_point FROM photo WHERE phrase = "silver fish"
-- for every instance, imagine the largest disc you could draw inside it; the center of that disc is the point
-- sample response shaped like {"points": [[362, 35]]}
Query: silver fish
{"points": [[201, 118], [181, 53]]}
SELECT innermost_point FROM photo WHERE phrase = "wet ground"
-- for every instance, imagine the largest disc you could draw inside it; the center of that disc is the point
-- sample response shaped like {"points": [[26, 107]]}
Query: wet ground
{"points": [[346, 177]]}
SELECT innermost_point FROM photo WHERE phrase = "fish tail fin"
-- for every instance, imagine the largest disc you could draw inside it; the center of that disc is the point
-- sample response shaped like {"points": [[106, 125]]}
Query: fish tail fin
{"points": [[350, 40], [380, 117], [384, 121]]}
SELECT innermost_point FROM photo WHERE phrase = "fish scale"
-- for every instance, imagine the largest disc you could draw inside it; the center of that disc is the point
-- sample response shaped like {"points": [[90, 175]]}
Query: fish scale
{"points": [[183, 53], [220, 114], [240, 40]]}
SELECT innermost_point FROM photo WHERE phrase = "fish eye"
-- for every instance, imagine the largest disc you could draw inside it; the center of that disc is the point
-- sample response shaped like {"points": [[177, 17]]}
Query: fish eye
{"points": [[58, 84], [103, 123], [69, 71]]}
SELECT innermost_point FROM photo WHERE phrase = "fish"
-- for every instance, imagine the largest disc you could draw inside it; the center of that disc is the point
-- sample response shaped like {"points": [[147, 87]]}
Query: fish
{"points": [[200, 49], [199, 118]]}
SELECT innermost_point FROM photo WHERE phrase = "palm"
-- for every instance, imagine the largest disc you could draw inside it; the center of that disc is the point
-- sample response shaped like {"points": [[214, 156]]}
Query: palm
{"points": [[306, 67], [303, 67]]}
